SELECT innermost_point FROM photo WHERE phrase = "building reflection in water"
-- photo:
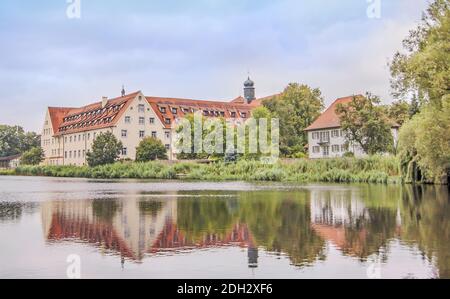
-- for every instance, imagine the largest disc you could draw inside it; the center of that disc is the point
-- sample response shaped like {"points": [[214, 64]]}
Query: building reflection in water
{"points": [[359, 222], [134, 228]]}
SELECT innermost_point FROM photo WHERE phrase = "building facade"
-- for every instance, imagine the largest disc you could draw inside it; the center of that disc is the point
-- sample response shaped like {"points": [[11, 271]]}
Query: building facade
{"points": [[326, 139], [68, 133], [10, 162]]}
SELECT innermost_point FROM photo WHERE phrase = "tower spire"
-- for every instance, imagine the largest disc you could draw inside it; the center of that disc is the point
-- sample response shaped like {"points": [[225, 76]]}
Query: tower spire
{"points": [[123, 91], [249, 90]]}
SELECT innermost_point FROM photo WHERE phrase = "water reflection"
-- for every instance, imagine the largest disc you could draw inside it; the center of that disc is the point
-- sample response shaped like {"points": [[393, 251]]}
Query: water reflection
{"points": [[361, 222]]}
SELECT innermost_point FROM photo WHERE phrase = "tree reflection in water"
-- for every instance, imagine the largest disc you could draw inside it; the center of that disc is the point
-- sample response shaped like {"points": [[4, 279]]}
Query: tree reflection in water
{"points": [[360, 221]]}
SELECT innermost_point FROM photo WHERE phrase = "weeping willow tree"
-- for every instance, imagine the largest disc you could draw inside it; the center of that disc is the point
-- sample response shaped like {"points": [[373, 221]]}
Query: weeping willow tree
{"points": [[423, 71]]}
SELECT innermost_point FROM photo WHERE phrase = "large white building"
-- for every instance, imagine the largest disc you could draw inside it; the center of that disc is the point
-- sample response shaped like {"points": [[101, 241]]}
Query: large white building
{"points": [[68, 133], [326, 139]]}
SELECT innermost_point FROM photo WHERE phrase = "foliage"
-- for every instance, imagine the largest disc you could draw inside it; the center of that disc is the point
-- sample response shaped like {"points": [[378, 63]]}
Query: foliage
{"points": [[424, 68], [14, 140], [297, 108], [366, 124], [425, 140], [150, 149], [342, 170], [208, 126], [33, 157], [105, 150], [399, 112]]}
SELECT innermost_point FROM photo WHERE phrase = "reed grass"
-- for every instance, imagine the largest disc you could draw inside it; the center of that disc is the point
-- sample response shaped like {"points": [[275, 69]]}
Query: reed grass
{"points": [[377, 169]]}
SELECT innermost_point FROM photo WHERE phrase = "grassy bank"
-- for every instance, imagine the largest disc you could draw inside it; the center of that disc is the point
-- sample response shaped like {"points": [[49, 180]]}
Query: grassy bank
{"points": [[368, 170]]}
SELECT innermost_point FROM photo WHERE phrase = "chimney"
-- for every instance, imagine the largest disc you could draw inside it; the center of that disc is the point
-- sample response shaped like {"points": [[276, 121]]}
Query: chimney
{"points": [[104, 101]]}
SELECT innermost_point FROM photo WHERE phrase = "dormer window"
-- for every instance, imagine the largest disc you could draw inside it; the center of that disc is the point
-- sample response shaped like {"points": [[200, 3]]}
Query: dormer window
{"points": [[244, 115], [233, 114], [174, 110], [168, 121], [162, 109]]}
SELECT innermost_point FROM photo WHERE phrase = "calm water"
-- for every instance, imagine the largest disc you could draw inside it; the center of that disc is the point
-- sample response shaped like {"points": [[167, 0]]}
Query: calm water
{"points": [[141, 229]]}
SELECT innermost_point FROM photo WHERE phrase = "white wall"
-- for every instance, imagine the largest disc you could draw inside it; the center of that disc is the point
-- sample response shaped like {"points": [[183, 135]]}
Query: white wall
{"points": [[339, 142]]}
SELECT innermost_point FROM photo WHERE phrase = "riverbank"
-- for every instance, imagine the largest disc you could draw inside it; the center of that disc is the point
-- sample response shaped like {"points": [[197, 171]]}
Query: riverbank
{"points": [[376, 169]]}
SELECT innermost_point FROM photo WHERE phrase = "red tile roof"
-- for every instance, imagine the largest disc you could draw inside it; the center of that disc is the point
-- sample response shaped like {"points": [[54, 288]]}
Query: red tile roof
{"points": [[90, 117], [329, 119], [188, 106], [94, 116]]}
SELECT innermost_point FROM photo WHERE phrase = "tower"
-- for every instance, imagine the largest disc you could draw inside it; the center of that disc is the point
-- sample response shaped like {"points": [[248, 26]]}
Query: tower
{"points": [[123, 91], [249, 90]]}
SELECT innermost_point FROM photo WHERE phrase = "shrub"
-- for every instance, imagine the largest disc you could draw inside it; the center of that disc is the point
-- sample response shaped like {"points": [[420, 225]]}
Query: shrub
{"points": [[105, 150], [151, 149]]}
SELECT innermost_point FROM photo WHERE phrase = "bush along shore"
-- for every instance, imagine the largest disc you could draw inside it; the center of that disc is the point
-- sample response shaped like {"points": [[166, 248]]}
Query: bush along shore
{"points": [[375, 169]]}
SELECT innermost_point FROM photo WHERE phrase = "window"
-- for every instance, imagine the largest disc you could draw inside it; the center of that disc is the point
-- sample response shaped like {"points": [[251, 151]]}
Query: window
{"points": [[124, 151], [162, 109], [316, 149], [89, 136], [141, 134], [141, 108], [70, 138], [70, 154], [79, 153], [344, 148], [154, 134], [325, 136], [335, 148], [174, 110], [167, 146], [152, 120], [84, 153], [244, 115], [315, 135], [65, 154], [326, 151], [124, 133], [168, 121], [79, 137], [141, 120], [127, 119], [335, 133], [167, 134], [233, 114]]}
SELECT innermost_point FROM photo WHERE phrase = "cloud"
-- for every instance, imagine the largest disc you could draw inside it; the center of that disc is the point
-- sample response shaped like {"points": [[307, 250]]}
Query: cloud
{"points": [[197, 49]]}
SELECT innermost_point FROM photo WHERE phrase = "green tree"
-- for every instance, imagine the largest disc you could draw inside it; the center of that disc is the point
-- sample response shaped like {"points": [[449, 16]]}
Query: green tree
{"points": [[258, 114], [425, 142], [399, 112], [297, 108], [105, 150], [414, 108], [14, 140], [33, 157], [366, 124], [150, 149], [423, 68], [207, 126]]}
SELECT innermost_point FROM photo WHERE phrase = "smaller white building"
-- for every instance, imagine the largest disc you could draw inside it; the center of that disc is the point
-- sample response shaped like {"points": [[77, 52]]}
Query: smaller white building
{"points": [[326, 139]]}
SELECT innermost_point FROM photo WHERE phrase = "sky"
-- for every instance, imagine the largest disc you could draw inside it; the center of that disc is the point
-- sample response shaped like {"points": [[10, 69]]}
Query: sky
{"points": [[54, 55]]}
